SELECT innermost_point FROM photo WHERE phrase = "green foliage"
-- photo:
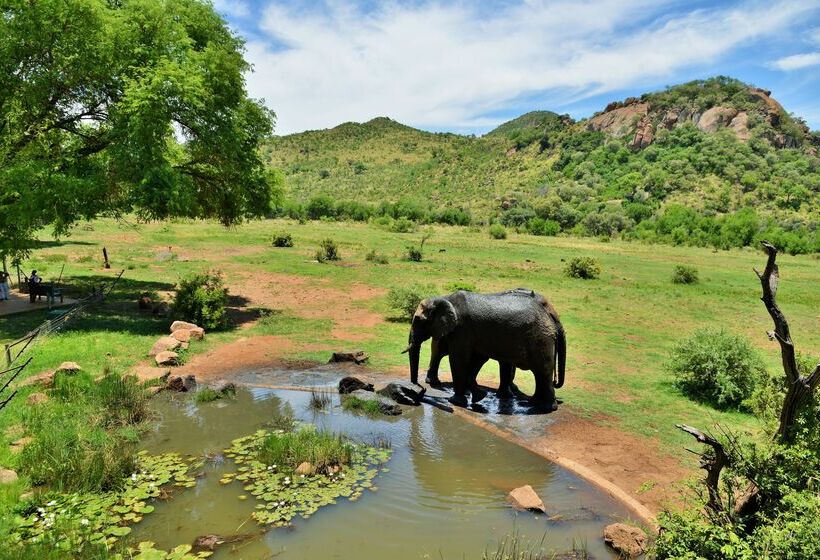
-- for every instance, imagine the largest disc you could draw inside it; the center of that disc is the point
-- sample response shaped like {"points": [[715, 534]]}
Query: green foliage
{"points": [[404, 300], [376, 257], [328, 251], [456, 286], [717, 367], [497, 231], [415, 253], [368, 407], [540, 226], [283, 239], [684, 274], [583, 267], [319, 400], [202, 299], [207, 394], [403, 225], [89, 125], [305, 445]]}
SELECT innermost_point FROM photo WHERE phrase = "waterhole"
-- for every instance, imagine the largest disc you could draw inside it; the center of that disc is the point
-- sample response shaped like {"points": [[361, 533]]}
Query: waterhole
{"points": [[443, 497]]}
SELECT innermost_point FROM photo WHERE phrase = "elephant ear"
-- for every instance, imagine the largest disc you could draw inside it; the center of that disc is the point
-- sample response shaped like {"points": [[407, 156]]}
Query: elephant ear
{"points": [[445, 318]]}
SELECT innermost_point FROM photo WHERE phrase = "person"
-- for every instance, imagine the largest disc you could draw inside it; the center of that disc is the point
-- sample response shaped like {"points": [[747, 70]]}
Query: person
{"points": [[4, 285], [33, 281]]}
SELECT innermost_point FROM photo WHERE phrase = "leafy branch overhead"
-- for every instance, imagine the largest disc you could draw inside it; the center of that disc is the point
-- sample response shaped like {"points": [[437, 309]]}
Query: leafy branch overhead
{"points": [[110, 107]]}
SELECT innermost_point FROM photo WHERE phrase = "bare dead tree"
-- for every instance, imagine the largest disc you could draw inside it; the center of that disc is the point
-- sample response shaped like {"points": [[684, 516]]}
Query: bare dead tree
{"points": [[799, 390]]}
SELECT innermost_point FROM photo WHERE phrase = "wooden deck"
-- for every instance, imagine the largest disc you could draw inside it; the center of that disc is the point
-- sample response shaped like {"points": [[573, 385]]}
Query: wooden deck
{"points": [[19, 303]]}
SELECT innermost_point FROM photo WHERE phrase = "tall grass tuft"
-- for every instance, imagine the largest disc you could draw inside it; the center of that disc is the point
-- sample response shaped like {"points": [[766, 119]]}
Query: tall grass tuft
{"points": [[307, 444], [319, 400]]}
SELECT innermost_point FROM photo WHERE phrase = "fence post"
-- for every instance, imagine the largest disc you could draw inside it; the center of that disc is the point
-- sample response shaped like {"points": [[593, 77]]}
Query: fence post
{"points": [[8, 354]]}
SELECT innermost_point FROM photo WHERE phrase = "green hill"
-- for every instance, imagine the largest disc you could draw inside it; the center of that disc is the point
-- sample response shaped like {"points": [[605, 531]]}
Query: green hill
{"points": [[707, 162]]}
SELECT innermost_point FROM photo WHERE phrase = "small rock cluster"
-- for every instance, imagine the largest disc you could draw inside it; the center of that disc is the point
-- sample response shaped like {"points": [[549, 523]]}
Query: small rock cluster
{"points": [[182, 333], [387, 396]]}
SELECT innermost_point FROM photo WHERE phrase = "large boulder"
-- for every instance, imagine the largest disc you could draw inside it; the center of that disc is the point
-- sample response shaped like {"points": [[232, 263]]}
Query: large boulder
{"points": [[164, 344], [7, 476], [403, 392], [147, 374], [715, 118], [627, 540], [167, 358], [182, 335], [177, 325], [525, 498], [349, 384]]}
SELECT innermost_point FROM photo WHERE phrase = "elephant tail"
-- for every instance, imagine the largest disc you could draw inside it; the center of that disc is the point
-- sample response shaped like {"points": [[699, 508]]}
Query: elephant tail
{"points": [[561, 355]]}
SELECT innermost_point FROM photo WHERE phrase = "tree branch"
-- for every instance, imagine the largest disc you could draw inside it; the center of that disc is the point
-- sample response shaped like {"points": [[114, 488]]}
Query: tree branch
{"points": [[712, 464]]}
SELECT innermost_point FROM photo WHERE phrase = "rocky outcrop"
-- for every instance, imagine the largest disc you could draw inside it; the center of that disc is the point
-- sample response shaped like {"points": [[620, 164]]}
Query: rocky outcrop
{"points": [[627, 540], [621, 120], [715, 118], [167, 358], [164, 344], [525, 498], [740, 126], [644, 134]]}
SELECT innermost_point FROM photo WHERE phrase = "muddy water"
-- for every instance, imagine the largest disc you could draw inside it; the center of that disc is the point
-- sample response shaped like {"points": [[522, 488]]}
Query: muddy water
{"points": [[443, 497]]}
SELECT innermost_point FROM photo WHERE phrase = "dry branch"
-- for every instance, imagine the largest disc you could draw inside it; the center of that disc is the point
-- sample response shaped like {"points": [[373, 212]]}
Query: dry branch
{"points": [[713, 464]]}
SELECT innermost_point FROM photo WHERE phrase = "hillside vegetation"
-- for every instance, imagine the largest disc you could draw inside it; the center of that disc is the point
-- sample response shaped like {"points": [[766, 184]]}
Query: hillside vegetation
{"points": [[713, 162]]}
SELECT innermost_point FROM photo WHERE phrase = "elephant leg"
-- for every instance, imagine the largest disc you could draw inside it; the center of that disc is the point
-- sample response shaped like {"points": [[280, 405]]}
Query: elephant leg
{"points": [[460, 363], [506, 372], [475, 366], [544, 396], [438, 349]]}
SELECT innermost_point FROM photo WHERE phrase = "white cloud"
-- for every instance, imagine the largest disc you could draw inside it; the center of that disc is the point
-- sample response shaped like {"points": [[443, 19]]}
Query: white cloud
{"points": [[435, 65], [232, 8], [797, 61]]}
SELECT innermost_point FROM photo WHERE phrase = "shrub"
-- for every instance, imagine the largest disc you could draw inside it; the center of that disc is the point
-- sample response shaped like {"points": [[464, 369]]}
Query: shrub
{"points": [[416, 254], [403, 225], [201, 299], [282, 240], [540, 226], [376, 257], [405, 300], [328, 251], [497, 231], [717, 367], [583, 267], [684, 274], [321, 206]]}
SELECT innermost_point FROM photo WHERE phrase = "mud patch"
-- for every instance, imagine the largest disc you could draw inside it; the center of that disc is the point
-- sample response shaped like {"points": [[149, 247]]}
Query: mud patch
{"points": [[242, 354]]}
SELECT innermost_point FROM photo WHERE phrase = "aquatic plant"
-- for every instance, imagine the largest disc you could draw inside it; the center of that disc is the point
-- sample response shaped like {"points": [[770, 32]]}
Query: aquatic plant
{"points": [[284, 492], [74, 521], [207, 394], [319, 400], [369, 407]]}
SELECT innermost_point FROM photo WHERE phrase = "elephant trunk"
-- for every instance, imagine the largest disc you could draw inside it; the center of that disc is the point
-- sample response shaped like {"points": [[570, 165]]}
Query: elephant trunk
{"points": [[561, 355], [414, 350]]}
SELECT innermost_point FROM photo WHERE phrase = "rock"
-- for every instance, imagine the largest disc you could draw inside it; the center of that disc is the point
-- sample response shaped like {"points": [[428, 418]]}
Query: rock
{"points": [[197, 333], [305, 468], [182, 335], [715, 118], [350, 384], [181, 384], [226, 388], [403, 392], [17, 446], [7, 476], [526, 498], [357, 357], [68, 367], [740, 126], [146, 374], [161, 309], [36, 398], [177, 325], [164, 344], [386, 407], [644, 134], [45, 379], [206, 543], [167, 358], [619, 121], [629, 541]]}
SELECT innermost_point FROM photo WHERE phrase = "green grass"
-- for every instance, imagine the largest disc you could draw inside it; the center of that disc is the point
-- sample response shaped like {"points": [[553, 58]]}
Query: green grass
{"points": [[368, 407], [206, 395], [306, 444], [620, 326]]}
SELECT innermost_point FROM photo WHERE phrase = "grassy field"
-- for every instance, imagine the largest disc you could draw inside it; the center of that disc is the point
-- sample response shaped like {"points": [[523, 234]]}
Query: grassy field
{"points": [[620, 327]]}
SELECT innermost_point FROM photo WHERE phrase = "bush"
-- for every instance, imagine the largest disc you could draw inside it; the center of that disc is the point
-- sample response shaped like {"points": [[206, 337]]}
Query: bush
{"points": [[201, 299], [405, 300], [540, 226], [376, 257], [328, 251], [497, 231], [321, 206], [717, 367], [416, 254], [684, 274], [583, 267], [403, 225], [282, 240]]}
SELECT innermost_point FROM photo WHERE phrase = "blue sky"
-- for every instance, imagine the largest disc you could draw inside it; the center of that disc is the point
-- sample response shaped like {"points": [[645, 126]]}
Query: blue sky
{"points": [[468, 66]]}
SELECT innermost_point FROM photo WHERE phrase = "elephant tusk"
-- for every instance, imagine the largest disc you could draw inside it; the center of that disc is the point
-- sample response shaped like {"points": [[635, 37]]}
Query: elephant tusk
{"points": [[406, 350]]}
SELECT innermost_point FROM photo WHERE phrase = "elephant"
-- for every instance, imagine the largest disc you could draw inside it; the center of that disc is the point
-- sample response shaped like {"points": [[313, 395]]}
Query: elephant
{"points": [[518, 328]]}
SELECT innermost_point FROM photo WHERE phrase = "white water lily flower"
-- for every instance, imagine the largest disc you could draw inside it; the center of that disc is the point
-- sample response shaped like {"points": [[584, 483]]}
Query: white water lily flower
{"points": [[51, 503], [84, 521]]}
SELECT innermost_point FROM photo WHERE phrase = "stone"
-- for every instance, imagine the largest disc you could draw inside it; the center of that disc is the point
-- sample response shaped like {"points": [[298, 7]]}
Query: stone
{"points": [[181, 384], [358, 357], [44, 379], [182, 335], [146, 374], [740, 126], [68, 367], [525, 498], [164, 344], [349, 384], [403, 392], [305, 468], [197, 334], [7, 476], [629, 541], [167, 358], [715, 118], [644, 135], [207, 543], [36, 398], [619, 120], [17, 446], [177, 325]]}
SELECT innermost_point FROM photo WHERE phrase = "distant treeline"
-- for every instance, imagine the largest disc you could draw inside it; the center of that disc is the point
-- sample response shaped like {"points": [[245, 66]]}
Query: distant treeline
{"points": [[674, 224]]}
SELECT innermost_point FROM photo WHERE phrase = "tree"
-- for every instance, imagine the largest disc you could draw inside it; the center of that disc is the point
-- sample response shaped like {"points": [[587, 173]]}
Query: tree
{"points": [[128, 106]]}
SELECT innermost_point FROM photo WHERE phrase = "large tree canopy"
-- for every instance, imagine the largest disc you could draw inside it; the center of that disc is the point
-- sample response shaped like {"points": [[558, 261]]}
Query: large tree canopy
{"points": [[124, 106]]}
